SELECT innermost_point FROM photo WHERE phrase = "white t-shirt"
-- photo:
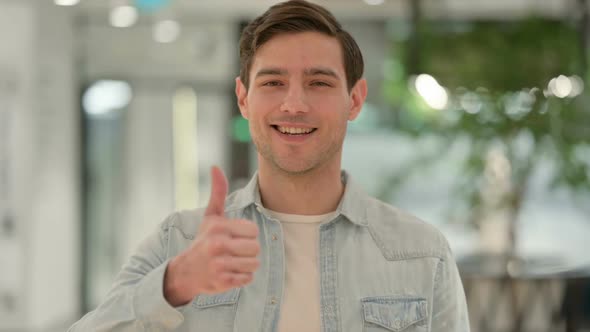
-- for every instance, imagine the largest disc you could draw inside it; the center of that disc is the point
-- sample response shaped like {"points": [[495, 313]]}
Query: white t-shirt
{"points": [[300, 309]]}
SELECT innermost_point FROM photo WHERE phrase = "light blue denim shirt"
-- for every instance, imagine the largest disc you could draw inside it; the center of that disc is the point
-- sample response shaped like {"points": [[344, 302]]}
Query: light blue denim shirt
{"points": [[381, 269]]}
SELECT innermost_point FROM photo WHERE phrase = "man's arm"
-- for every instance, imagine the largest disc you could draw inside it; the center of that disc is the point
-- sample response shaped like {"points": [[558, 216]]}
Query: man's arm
{"points": [[222, 256], [449, 309], [136, 301]]}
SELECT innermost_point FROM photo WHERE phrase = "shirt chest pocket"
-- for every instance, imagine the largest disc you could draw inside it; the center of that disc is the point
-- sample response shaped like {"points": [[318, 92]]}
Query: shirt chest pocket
{"points": [[398, 314], [215, 312]]}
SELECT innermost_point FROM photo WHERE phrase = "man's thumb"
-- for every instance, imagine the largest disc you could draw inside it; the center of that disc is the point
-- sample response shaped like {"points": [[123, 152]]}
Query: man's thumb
{"points": [[216, 205]]}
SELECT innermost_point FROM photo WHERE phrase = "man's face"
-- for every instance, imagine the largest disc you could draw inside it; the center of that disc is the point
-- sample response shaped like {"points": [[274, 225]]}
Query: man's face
{"points": [[298, 103]]}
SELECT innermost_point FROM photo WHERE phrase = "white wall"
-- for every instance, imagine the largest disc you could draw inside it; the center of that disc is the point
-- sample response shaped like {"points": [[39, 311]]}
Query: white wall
{"points": [[201, 58], [204, 52], [17, 153], [43, 163]]}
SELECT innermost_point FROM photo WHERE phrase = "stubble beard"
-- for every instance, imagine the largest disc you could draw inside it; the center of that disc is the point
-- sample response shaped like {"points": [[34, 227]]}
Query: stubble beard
{"points": [[297, 167]]}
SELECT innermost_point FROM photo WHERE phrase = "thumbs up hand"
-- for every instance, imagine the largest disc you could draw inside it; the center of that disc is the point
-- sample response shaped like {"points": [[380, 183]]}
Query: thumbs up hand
{"points": [[222, 256]]}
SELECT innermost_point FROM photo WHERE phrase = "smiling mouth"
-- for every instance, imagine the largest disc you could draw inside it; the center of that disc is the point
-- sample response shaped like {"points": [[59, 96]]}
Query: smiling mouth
{"points": [[294, 130]]}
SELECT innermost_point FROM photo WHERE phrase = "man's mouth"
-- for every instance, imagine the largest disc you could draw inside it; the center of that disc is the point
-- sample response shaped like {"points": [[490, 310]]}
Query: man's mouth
{"points": [[295, 131]]}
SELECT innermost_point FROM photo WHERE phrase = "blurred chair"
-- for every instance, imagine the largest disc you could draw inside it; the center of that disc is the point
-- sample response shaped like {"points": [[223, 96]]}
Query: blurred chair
{"points": [[521, 295], [576, 303]]}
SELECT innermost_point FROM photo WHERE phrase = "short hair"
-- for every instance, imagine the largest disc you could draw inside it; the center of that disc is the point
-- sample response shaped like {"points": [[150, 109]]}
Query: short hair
{"points": [[296, 16]]}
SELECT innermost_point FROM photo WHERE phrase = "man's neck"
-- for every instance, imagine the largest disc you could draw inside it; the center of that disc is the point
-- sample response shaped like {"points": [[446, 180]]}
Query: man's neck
{"points": [[314, 193]]}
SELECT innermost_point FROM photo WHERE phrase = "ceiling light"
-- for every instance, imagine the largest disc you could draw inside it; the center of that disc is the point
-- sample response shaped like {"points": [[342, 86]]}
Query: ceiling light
{"points": [[374, 2], [123, 16], [166, 31], [66, 2], [104, 97]]}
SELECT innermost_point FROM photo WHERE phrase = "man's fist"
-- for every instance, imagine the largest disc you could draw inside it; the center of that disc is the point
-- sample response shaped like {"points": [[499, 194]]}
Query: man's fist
{"points": [[222, 256]]}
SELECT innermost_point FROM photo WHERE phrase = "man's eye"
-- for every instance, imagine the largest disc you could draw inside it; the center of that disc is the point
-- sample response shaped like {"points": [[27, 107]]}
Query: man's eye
{"points": [[320, 83], [272, 83]]}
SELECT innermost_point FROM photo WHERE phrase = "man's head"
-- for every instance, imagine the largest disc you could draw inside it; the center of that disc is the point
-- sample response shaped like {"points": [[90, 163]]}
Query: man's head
{"points": [[298, 16], [300, 82]]}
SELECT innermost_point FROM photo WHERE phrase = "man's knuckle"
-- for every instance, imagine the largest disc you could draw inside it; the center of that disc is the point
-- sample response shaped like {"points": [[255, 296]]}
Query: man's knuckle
{"points": [[254, 228], [216, 228], [218, 265], [252, 248], [215, 246], [256, 248]]}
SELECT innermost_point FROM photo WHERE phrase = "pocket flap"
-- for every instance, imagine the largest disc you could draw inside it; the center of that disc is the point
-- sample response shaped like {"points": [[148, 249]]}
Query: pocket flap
{"points": [[229, 297], [394, 313]]}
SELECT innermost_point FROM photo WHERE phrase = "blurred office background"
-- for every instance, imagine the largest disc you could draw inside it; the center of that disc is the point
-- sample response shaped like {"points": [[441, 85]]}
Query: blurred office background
{"points": [[477, 121]]}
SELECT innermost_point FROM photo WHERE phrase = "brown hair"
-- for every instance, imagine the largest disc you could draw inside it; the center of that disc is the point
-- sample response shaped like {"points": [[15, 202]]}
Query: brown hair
{"points": [[292, 17]]}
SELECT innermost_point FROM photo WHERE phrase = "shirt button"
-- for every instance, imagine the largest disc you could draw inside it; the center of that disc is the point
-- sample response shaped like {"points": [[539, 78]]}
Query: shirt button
{"points": [[274, 237], [273, 301]]}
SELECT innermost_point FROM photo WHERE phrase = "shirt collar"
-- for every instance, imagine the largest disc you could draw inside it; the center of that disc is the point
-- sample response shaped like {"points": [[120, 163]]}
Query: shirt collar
{"points": [[353, 204]]}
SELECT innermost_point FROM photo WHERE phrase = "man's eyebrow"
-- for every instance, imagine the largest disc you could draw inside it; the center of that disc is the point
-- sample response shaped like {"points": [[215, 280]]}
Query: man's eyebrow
{"points": [[308, 72], [321, 71], [271, 72]]}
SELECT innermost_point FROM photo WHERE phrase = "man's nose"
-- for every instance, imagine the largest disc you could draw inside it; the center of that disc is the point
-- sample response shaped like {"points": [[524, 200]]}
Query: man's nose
{"points": [[295, 101]]}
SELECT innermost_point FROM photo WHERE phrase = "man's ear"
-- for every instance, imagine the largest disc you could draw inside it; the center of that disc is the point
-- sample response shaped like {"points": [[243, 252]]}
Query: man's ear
{"points": [[358, 94], [241, 94]]}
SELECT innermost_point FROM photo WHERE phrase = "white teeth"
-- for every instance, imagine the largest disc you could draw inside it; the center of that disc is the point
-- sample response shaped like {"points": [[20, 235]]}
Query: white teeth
{"points": [[295, 131]]}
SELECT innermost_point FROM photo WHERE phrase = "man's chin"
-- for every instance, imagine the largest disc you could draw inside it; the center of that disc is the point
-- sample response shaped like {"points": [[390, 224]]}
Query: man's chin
{"points": [[294, 168]]}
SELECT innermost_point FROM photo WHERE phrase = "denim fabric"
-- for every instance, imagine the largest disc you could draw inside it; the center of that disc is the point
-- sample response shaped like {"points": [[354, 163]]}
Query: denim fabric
{"points": [[381, 269]]}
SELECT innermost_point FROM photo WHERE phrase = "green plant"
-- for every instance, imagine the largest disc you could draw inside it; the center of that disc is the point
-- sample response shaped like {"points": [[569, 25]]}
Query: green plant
{"points": [[496, 76]]}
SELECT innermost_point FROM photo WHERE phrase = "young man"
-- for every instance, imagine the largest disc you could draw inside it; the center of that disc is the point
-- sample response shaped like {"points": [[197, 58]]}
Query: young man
{"points": [[301, 247]]}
